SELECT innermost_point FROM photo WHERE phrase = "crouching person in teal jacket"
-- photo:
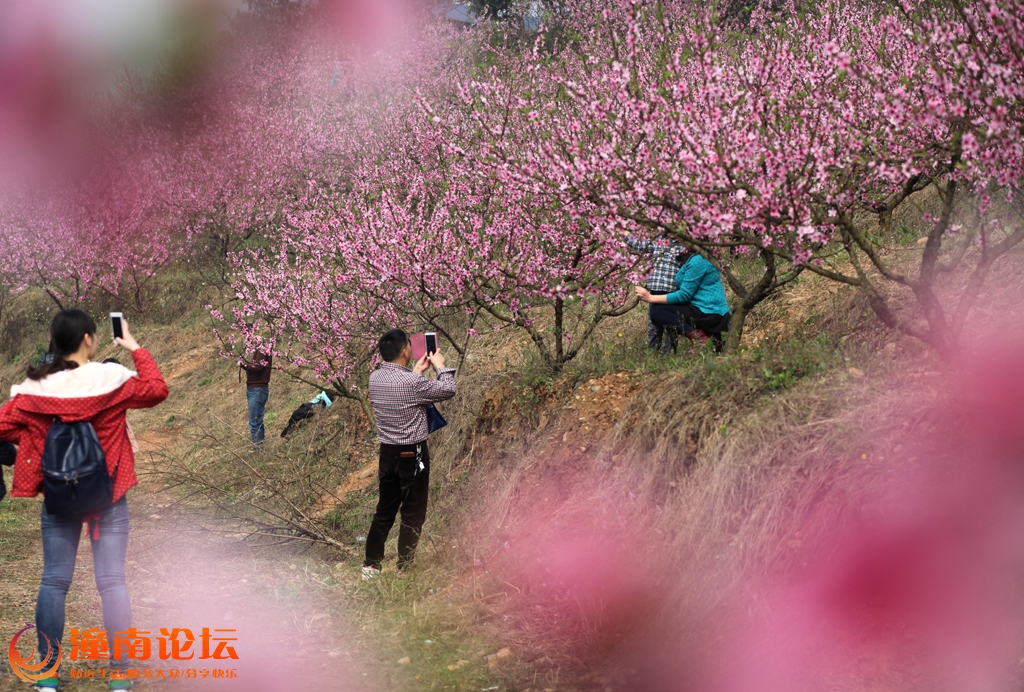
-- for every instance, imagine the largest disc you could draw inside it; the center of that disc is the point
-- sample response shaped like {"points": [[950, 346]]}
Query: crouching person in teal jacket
{"points": [[697, 308]]}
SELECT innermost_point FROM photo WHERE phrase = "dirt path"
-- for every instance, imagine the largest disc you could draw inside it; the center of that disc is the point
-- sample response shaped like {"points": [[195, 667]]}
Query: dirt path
{"points": [[288, 607]]}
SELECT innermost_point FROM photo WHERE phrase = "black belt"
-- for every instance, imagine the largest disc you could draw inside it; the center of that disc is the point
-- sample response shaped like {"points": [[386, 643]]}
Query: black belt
{"points": [[399, 448], [411, 451]]}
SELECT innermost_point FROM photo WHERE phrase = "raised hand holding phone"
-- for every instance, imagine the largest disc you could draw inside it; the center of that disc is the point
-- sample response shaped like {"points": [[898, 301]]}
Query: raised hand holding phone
{"points": [[437, 360], [122, 337]]}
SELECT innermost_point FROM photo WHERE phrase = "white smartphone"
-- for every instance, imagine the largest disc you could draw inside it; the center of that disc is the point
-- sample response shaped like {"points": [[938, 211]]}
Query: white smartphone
{"points": [[431, 339], [116, 324]]}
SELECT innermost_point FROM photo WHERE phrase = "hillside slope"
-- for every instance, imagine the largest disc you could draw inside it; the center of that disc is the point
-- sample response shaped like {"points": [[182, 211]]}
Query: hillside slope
{"points": [[596, 529]]}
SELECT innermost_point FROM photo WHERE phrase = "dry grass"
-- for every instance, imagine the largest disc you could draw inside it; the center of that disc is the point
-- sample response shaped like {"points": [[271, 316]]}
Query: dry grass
{"points": [[725, 468], [734, 469], [762, 489]]}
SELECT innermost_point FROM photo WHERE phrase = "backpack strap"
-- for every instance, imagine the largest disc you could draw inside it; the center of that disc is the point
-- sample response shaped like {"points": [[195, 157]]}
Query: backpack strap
{"points": [[92, 525], [92, 521]]}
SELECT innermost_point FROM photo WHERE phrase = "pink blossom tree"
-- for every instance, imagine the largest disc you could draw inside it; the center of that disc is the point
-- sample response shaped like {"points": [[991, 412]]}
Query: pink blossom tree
{"points": [[658, 120], [399, 211], [96, 235], [480, 180], [356, 248], [771, 143], [959, 99]]}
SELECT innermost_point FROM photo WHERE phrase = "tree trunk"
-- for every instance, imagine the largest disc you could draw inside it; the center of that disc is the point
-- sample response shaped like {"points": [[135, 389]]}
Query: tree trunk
{"points": [[559, 323], [739, 316], [364, 403]]}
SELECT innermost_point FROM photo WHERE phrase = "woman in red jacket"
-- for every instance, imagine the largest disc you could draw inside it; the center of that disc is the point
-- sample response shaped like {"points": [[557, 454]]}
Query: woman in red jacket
{"points": [[69, 386]]}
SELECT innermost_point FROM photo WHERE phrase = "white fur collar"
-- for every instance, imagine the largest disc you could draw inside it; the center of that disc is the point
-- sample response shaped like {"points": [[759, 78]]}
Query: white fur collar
{"points": [[91, 379]]}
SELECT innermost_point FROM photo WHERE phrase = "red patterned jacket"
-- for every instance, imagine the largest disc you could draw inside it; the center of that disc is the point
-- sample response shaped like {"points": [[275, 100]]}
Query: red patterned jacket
{"points": [[96, 392]]}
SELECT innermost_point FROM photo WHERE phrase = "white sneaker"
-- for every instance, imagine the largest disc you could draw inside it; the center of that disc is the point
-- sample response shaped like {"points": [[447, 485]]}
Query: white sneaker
{"points": [[370, 572]]}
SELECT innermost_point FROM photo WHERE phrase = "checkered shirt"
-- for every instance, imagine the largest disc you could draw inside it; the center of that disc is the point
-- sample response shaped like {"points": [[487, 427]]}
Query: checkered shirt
{"points": [[400, 396], [666, 266]]}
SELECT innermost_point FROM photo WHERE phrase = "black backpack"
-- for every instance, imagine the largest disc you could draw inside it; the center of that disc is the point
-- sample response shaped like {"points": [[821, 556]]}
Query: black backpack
{"points": [[75, 478]]}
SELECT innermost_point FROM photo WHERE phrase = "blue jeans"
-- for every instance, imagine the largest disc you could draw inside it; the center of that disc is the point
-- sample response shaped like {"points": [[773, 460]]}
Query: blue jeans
{"points": [[60, 548], [257, 405]]}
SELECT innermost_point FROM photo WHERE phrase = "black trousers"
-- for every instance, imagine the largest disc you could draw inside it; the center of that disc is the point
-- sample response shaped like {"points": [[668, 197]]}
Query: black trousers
{"points": [[686, 318], [404, 476], [660, 337]]}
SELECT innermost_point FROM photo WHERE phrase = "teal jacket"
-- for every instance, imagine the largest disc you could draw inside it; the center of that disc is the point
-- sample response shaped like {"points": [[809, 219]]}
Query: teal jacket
{"points": [[700, 285], [322, 398]]}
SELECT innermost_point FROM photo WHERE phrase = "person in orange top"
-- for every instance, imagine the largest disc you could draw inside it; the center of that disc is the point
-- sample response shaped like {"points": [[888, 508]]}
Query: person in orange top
{"points": [[70, 386]]}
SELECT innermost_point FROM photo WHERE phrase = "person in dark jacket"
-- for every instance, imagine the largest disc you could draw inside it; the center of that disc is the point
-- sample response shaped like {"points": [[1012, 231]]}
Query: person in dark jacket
{"points": [[307, 410], [257, 389]]}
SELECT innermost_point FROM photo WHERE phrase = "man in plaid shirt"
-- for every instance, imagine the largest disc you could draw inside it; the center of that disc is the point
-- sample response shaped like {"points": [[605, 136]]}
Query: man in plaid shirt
{"points": [[399, 396], [662, 281]]}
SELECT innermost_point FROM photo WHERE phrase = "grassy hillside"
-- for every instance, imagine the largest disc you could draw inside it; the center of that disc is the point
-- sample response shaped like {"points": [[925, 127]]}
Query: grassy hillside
{"points": [[578, 520]]}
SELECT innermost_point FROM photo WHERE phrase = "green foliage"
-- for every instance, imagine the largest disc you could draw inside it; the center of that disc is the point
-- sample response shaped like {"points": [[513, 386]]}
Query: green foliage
{"points": [[192, 317], [905, 235], [784, 379], [625, 348], [750, 373], [528, 398]]}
